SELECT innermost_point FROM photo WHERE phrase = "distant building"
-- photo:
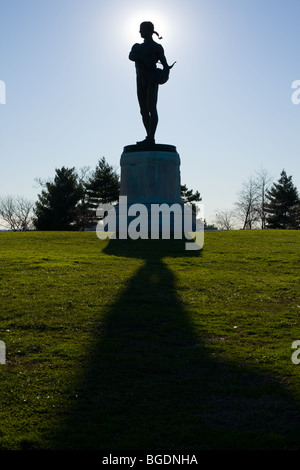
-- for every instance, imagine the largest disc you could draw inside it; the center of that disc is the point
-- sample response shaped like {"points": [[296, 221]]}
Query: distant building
{"points": [[210, 228]]}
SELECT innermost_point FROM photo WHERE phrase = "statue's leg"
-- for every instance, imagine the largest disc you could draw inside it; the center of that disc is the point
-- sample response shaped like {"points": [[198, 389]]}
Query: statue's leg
{"points": [[142, 99], [152, 107]]}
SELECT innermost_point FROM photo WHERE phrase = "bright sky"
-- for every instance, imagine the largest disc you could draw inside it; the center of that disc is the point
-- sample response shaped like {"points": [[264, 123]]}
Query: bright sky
{"points": [[71, 93]]}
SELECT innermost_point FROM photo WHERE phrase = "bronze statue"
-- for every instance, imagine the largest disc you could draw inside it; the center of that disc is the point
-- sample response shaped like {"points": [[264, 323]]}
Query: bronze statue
{"points": [[149, 77]]}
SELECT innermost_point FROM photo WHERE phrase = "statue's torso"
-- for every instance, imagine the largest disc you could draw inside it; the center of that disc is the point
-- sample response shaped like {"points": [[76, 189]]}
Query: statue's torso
{"points": [[151, 52]]}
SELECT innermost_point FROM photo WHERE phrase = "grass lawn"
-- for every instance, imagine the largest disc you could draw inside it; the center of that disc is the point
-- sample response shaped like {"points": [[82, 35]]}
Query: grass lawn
{"points": [[145, 346]]}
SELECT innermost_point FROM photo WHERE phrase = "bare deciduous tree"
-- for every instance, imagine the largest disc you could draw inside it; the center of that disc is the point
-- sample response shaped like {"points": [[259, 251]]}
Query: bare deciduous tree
{"points": [[263, 182], [16, 212], [224, 219], [251, 203], [247, 204]]}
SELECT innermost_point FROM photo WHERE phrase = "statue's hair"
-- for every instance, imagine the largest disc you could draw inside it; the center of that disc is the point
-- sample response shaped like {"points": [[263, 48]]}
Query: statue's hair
{"points": [[150, 27]]}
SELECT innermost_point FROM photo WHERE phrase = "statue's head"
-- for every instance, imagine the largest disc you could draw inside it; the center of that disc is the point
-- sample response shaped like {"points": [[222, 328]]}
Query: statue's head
{"points": [[147, 29]]}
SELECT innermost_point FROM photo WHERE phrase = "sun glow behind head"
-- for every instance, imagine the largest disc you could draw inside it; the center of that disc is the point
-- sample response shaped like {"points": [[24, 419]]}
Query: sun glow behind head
{"points": [[161, 25]]}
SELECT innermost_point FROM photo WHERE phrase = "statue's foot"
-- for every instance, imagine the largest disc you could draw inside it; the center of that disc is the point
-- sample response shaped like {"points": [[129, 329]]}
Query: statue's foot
{"points": [[147, 142]]}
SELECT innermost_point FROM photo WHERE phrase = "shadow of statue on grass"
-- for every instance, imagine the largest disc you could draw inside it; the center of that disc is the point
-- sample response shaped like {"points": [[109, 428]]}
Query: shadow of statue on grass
{"points": [[152, 385]]}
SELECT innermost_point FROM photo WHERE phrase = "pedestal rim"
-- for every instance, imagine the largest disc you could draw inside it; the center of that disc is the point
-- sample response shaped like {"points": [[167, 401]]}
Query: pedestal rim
{"points": [[151, 148], [150, 157]]}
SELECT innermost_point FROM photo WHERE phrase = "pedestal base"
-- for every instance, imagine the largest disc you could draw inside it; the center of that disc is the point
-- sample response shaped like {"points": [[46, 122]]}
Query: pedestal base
{"points": [[153, 221]]}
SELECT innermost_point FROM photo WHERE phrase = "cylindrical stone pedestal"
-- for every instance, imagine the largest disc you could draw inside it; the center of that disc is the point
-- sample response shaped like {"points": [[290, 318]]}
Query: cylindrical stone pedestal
{"points": [[150, 180], [150, 176]]}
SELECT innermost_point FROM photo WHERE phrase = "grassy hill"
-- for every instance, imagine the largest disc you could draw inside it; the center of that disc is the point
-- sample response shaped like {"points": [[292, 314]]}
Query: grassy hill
{"points": [[145, 346]]}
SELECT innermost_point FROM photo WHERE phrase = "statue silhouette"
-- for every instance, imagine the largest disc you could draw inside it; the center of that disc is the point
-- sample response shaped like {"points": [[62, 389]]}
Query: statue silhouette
{"points": [[149, 77]]}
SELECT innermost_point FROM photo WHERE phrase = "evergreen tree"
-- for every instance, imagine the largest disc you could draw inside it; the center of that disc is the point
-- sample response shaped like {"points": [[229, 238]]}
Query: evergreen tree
{"points": [[188, 196], [283, 204], [56, 208], [103, 187]]}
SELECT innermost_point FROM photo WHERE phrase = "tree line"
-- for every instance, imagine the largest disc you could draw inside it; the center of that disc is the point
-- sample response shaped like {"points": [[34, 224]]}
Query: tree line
{"points": [[69, 202], [263, 204]]}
